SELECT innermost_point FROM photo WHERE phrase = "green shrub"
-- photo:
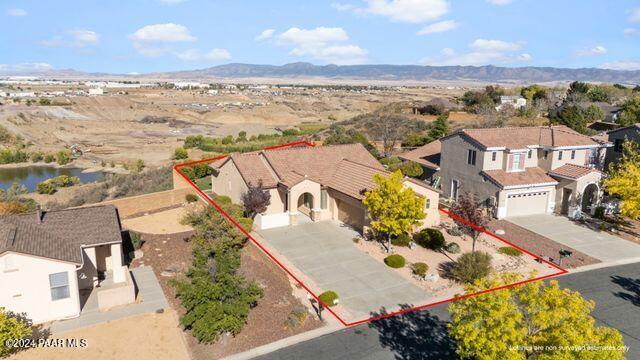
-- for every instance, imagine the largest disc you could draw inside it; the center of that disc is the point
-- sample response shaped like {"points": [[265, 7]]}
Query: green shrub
{"points": [[394, 261], [599, 213], [472, 266], [36, 156], [402, 240], [510, 251], [191, 198], [47, 187], [329, 298], [63, 157], [136, 240], [12, 328], [420, 269], [49, 158], [296, 317], [431, 239], [180, 153], [64, 181]]}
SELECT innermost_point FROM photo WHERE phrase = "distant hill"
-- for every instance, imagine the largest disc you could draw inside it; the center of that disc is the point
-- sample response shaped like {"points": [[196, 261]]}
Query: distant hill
{"points": [[488, 73], [301, 70]]}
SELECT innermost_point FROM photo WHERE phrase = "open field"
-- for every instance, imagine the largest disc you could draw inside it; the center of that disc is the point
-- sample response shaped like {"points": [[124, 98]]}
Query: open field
{"points": [[149, 123]]}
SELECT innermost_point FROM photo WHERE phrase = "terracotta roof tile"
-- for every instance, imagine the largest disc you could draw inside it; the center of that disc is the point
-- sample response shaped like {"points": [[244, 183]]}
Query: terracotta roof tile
{"points": [[572, 171], [253, 168], [61, 234], [521, 137], [427, 155], [531, 176]]}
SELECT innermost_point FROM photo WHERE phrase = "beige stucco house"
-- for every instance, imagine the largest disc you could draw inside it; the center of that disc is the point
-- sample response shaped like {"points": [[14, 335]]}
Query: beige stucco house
{"points": [[311, 184], [520, 171], [50, 262]]}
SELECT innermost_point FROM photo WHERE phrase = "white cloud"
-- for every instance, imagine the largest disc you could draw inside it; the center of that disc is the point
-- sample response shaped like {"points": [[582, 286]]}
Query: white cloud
{"points": [[631, 31], [196, 55], [495, 45], [26, 67], [438, 27], [412, 11], [621, 65], [634, 15], [17, 12], [266, 34], [594, 51], [77, 38], [483, 52], [500, 2], [324, 44], [162, 33]]}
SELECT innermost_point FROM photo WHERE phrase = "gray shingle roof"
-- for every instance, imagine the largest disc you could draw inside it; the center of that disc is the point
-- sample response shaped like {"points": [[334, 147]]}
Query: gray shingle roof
{"points": [[61, 234]]}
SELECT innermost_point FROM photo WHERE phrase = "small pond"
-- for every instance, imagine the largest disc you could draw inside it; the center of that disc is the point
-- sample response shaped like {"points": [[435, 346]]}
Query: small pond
{"points": [[30, 176]]}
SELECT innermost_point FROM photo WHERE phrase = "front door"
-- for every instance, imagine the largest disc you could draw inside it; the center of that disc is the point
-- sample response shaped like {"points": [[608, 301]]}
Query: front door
{"points": [[566, 198]]}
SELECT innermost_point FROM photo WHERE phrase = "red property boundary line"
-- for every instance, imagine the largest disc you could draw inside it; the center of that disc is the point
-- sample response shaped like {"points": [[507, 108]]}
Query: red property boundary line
{"points": [[208, 199]]}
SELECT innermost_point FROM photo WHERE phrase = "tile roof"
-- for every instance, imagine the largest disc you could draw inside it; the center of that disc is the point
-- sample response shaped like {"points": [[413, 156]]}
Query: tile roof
{"points": [[521, 137], [60, 234], [572, 171], [531, 176], [427, 155], [354, 179], [253, 168]]}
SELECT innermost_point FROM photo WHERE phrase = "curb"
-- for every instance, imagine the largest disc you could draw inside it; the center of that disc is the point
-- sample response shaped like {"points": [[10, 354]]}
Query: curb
{"points": [[291, 340]]}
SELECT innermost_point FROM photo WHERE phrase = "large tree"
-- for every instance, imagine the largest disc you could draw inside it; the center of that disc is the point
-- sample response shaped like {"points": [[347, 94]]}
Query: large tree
{"points": [[529, 321], [470, 216], [390, 129], [393, 208], [624, 180], [256, 199], [630, 112]]}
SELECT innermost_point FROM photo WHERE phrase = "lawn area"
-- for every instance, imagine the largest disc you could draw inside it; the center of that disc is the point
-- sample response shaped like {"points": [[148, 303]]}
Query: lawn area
{"points": [[204, 183]]}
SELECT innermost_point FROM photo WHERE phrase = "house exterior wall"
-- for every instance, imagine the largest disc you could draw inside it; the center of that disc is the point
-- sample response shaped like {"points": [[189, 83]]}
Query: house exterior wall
{"points": [[278, 198], [431, 204], [613, 155], [26, 288], [453, 165], [229, 182], [580, 158]]}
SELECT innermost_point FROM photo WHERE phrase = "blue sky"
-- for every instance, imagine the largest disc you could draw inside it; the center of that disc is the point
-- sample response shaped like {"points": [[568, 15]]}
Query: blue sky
{"points": [[163, 35]]}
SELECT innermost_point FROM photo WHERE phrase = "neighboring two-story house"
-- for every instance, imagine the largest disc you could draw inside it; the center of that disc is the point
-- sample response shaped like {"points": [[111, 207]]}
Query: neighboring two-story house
{"points": [[520, 171], [617, 138]]}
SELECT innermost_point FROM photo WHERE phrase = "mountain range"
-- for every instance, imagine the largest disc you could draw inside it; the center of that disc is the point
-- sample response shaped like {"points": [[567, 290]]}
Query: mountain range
{"points": [[301, 70]]}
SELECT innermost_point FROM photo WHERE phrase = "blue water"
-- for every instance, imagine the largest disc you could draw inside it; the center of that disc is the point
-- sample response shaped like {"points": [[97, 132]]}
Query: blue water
{"points": [[30, 176]]}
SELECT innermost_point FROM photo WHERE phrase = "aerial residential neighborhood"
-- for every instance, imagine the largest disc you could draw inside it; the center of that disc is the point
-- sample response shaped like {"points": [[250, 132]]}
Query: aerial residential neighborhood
{"points": [[364, 179]]}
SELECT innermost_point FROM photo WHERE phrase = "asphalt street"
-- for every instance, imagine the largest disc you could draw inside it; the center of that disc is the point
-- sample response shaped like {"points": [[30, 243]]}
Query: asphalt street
{"points": [[422, 334]]}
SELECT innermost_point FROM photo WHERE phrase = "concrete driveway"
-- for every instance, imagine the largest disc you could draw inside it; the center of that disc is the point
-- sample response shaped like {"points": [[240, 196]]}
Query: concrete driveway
{"points": [[325, 252], [600, 245]]}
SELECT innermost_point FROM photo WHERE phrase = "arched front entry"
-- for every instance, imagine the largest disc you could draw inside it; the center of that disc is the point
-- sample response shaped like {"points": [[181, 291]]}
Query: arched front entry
{"points": [[305, 203], [589, 198]]}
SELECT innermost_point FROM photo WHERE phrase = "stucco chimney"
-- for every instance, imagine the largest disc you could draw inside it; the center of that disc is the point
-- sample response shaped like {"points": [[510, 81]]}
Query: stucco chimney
{"points": [[39, 213]]}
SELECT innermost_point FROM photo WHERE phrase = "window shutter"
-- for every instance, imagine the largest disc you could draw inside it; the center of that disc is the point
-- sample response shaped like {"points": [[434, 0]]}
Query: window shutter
{"points": [[522, 161], [510, 162]]}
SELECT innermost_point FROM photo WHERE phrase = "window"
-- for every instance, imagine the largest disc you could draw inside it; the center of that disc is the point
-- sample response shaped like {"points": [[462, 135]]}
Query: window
{"points": [[471, 157], [617, 145], [323, 199], [560, 155], [573, 154], [546, 154], [59, 283], [428, 205], [494, 155], [516, 164], [530, 153], [308, 200]]}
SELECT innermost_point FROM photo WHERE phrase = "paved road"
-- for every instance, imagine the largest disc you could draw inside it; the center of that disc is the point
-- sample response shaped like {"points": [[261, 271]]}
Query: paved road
{"points": [[600, 245], [422, 335], [324, 251]]}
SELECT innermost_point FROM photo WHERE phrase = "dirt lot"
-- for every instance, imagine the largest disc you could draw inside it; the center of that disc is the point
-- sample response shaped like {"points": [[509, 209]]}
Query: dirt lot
{"points": [[113, 126], [142, 337], [169, 253]]}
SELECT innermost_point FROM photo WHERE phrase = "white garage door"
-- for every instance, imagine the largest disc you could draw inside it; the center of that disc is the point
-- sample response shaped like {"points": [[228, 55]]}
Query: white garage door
{"points": [[527, 203]]}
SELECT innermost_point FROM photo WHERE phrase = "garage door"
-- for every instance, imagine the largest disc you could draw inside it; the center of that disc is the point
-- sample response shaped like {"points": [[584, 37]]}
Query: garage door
{"points": [[351, 215], [527, 203]]}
